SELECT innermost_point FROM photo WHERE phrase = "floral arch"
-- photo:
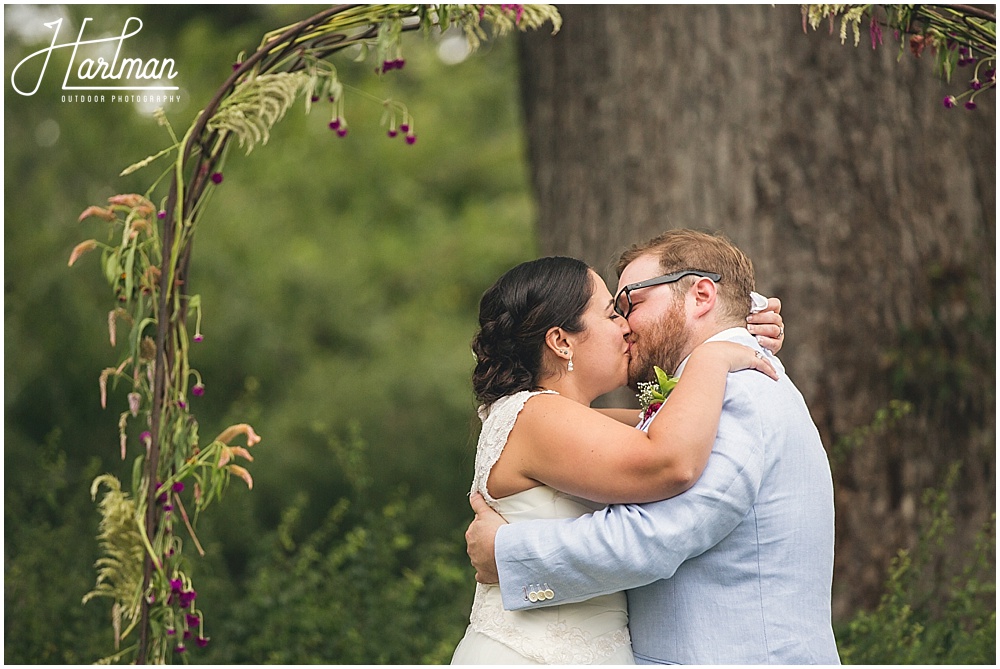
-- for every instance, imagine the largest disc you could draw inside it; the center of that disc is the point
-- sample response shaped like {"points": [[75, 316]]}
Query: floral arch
{"points": [[146, 260]]}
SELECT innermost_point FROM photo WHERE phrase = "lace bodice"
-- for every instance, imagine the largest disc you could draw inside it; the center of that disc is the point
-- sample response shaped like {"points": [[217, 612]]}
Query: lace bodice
{"points": [[498, 420], [587, 632]]}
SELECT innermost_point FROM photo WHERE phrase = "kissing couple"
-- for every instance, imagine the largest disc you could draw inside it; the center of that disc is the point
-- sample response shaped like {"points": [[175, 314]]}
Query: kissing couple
{"points": [[700, 531]]}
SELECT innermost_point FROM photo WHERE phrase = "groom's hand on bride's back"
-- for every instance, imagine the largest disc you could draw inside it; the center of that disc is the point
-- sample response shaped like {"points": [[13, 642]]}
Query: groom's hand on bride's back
{"points": [[480, 539]]}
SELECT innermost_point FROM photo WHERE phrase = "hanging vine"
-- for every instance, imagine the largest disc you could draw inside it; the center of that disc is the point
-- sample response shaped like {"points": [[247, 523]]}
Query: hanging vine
{"points": [[146, 258], [956, 36]]}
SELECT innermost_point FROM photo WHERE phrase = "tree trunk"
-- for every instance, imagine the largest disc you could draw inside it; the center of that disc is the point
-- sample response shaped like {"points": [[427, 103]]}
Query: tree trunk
{"points": [[867, 207]]}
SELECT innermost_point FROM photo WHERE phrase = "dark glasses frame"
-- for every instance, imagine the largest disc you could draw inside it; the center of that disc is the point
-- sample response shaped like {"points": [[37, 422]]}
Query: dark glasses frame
{"points": [[626, 291]]}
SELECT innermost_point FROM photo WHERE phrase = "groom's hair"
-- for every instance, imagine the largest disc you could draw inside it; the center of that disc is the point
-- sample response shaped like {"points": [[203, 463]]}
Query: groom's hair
{"points": [[690, 249]]}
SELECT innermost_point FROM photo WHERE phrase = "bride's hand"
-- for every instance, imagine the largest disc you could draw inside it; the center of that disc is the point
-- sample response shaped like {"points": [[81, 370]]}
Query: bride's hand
{"points": [[736, 356], [768, 326]]}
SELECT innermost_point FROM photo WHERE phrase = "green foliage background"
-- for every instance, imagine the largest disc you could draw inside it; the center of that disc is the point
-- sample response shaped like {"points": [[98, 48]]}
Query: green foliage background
{"points": [[340, 280]]}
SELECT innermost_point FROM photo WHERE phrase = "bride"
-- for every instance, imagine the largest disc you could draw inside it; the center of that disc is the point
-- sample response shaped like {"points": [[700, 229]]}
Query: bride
{"points": [[550, 343]]}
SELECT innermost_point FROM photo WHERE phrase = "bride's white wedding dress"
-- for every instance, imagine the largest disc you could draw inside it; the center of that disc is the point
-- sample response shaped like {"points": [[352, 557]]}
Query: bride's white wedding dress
{"points": [[590, 632]]}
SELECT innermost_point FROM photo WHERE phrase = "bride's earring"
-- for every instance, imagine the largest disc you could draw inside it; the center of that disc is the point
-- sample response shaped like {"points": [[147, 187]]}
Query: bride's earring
{"points": [[569, 367]]}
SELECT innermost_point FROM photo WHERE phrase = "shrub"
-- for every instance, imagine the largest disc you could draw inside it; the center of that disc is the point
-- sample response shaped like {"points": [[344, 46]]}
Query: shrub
{"points": [[923, 617]]}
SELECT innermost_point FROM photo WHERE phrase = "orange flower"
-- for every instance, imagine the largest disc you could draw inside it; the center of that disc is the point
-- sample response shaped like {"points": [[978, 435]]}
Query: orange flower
{"points": [[232, 431], [243, 474], [112, 330], [80, 249], [229, 451], [130, 200], [139, 225], [100, 212], [103, 382]]}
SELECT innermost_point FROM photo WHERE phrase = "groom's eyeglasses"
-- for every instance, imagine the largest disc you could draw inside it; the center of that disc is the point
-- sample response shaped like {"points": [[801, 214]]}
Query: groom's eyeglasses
{"points": [[623, 301]]}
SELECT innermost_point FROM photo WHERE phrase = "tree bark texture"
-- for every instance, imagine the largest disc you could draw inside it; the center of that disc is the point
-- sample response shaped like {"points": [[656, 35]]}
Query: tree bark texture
{"points": [[866, 206]]}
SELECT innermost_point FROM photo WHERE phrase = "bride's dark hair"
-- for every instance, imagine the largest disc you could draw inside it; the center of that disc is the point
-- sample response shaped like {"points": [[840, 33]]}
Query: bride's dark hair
{"points": [[514, 315]]}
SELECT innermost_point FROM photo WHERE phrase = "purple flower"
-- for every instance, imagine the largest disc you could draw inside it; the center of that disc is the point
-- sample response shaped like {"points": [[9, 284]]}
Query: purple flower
{"points": [[202, 642], [199, 337], [161, 214], [162, 498], [168, 507], [314, 98], [876, 34], [187, 634], [186, 597], [171, 631], [217, 178], [236, 66], [180, 648], [176, 585], [393, 133], [192, 619], [146, 436], [182, 404], [975, 84], [405, 127], [970, 105], [178, 486], [400, 63], [411, 139], [949, 101], [198, 390], [341, 132], [517, 9]]}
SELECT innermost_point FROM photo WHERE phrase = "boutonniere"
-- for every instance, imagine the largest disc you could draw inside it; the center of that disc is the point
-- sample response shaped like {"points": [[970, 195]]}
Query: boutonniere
{"points": [[653, 393]]}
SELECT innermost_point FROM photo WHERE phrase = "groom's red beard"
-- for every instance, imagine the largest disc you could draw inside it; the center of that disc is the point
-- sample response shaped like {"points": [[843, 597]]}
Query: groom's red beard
{"points": [[662, 345]]}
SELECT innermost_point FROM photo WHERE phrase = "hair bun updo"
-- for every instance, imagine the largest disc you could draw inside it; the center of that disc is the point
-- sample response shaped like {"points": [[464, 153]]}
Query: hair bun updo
{"points": [[516, 312]]}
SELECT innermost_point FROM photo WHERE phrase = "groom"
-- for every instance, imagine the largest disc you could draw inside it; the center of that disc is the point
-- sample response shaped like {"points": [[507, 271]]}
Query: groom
{"points": [[738, 569]]}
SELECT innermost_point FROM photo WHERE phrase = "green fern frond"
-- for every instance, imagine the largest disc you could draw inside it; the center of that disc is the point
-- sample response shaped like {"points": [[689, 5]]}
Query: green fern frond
{"points": [[256, 105], [119, 570], [850, 16], [853, 18], [503, 19], [146, 161]]}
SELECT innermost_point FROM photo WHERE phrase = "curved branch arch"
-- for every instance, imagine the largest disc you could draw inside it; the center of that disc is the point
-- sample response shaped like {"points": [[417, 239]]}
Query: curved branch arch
{"points": [[148, 271]]}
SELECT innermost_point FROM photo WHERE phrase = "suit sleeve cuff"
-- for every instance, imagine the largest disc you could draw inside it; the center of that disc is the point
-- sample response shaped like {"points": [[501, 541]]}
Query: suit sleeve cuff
{"points": [[508, 570]]}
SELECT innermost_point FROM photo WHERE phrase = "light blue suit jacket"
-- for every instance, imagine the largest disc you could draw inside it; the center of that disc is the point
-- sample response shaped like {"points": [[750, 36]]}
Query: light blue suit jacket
{"points": [[737, 570]]}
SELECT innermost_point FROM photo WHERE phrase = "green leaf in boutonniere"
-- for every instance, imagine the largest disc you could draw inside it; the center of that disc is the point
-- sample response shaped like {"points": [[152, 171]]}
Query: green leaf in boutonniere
{"points": [[652, 394]]}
